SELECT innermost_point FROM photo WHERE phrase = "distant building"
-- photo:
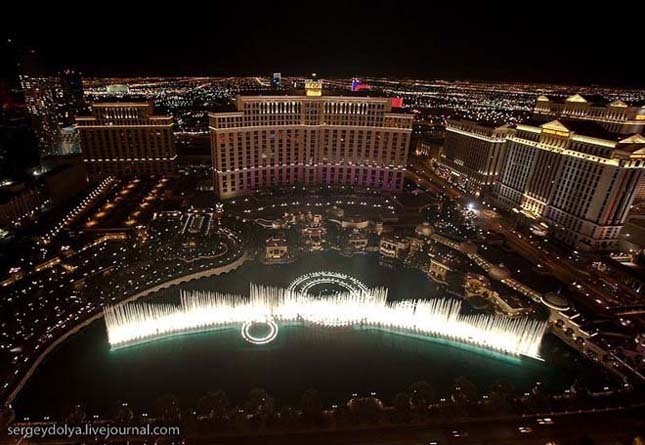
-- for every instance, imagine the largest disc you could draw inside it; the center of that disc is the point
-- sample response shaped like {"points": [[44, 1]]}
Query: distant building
{"points": [[276, 81], [124, 138], [53, 102], [479, 286], [615, 117], [65, 180], [312, 140], [439, 269], [276, 249], [357, 240], [393, 246], [313, 87], [358, 85], [71, 99], [314, 232], [19, 201], [474, 153], [41, 99], [575, 176], [18, 149], [70, 142], [427, 149]]}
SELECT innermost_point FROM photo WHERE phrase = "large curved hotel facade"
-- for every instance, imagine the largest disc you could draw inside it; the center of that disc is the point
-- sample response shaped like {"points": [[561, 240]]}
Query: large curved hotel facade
{"points": [[277, 141]]}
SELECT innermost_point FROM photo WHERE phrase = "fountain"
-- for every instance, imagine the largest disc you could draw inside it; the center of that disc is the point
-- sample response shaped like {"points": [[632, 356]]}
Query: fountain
{"points": [[200, 311]]}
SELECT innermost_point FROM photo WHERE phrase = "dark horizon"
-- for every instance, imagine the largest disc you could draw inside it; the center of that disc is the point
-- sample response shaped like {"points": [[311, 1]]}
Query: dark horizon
{"points": [[420, 41]]}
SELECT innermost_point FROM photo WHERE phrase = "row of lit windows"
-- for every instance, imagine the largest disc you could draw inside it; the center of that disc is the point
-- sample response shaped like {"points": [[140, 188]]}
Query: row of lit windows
{"points": [[258, 180]]}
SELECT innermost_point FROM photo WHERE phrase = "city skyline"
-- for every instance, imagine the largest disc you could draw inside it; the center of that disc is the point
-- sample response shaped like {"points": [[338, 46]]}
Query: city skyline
{"points": [[336, 39]]}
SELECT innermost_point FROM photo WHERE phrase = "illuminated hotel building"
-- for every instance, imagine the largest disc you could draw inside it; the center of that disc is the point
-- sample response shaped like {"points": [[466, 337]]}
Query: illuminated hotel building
{"points": [[41, 101], [474, 153], [127, 139], [309, 140], [52, 102], [615, 117], [573, 176]]}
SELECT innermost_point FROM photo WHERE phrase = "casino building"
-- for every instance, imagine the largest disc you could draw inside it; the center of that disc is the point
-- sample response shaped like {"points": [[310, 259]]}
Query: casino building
{"points": [[126, 139], [474, 153], [277, 141], [615, 117], [574, 176]]}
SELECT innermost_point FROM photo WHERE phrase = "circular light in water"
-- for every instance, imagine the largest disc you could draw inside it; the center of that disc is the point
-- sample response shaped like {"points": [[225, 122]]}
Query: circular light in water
{"points": [[328, 280], [263, 340]]}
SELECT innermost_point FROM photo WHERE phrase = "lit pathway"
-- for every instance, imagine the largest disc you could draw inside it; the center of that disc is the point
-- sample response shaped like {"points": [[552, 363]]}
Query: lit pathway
{"points": [[605, 357]]}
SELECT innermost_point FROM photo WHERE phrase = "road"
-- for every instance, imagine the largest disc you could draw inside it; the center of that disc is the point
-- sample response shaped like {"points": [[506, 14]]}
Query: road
{"points": [[588, 292]]}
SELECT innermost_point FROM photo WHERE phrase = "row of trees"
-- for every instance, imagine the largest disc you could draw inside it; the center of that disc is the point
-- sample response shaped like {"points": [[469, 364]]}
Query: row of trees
{"points": [[214, 412]]}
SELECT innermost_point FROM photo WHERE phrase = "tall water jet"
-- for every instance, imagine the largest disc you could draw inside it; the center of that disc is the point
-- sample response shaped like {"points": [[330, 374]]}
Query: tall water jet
{"points": [[206, 310]]}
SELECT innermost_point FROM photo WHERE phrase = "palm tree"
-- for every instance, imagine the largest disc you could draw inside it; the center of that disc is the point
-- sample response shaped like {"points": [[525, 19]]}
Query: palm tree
{"points": [[402, 406], [123, 413], [213, 405], [75, 415], [259, 404], [421, 395], [167, 408], [467, 388], [500, 397], [367, 409], [311, 406]]}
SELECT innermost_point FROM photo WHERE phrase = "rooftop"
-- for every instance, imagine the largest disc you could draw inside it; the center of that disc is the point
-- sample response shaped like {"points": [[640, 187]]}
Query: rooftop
{"points": [[595, 101], [121, 104], [294, 98], [556, 301], [489, 125], [584, 128]]}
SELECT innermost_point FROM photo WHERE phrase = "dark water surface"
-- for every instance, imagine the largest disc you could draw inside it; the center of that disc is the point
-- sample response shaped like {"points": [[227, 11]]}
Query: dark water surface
{"points": [[337, 363]]}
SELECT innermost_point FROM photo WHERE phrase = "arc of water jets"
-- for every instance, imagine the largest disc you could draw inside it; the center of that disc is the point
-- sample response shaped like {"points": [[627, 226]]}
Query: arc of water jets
{"points": [[206, 310]]}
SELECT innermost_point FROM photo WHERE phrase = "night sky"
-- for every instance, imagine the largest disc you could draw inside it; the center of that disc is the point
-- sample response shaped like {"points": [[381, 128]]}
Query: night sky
{"points": [[522, 41]]}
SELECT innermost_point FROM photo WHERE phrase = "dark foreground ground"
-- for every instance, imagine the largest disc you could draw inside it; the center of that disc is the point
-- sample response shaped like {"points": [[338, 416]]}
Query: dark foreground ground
{"points": [[597, 428], [593, 428]]}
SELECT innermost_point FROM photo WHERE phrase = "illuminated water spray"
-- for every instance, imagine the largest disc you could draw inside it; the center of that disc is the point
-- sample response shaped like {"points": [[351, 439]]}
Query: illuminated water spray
{"points": [[200, 311], [305, 283]]}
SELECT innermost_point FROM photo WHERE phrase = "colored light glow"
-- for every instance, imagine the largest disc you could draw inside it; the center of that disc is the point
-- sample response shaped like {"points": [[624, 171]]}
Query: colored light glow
{"points": [[313, 88], [357, 85], [200, 311]]}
